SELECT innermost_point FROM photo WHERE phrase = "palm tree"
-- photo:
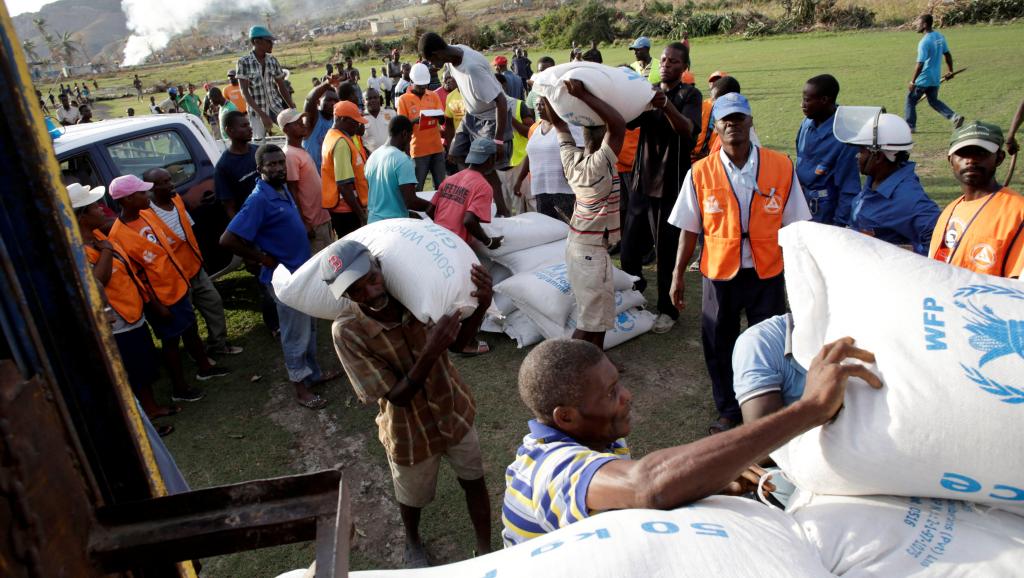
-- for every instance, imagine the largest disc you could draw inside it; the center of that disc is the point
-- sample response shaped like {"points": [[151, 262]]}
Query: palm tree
{"points": [[30, 50], [40, 24], [67, 47]]}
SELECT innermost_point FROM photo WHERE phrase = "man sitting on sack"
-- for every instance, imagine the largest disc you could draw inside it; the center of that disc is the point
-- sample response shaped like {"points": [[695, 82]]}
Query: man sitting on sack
{"points": [[575, 462]]}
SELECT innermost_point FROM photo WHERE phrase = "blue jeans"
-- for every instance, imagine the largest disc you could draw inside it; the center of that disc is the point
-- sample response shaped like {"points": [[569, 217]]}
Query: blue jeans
{"points": [[434, 164], [298, 341], [932, 93]]}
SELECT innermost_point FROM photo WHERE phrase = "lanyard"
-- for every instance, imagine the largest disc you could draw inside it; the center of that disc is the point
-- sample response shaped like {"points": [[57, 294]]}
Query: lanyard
{"points": [[963, 234]]}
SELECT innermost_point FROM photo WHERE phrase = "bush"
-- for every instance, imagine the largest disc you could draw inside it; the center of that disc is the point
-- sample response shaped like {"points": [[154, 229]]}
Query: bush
{"points": [[828, 14], [970, 11], [578, 22], [707, 24]]}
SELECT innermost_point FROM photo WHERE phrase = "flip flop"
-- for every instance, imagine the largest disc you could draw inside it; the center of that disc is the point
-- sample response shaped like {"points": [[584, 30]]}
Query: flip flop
{"points": [[316, 402], [166, 412], [481, 348], [164, 430]]}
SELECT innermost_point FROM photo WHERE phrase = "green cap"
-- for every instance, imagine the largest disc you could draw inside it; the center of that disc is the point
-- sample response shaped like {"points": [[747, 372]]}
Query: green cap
{"points": [[260, 32], [979, 134]]}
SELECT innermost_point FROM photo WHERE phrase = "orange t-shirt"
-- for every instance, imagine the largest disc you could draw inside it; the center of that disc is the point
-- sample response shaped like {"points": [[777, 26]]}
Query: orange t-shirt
{"points": [[628, 153], [426, 134], [985, 235], [234, 94]]}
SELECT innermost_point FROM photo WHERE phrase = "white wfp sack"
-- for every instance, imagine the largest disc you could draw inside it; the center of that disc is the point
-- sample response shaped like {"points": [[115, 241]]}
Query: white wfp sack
{"points": [[522, 232], [949, 346], [546, 291], [624, 90], [718, 536], [534, 258], [629, 324], [862, 537], [522, 329], [425, 266]]}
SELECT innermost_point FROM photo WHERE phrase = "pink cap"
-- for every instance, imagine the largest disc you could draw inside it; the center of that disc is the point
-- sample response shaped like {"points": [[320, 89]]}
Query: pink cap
{"points": [[126, 185]]}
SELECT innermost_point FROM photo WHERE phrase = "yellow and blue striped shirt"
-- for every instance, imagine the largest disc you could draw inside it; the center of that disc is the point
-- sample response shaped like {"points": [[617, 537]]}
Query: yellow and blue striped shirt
{"points": [[546, 486]]}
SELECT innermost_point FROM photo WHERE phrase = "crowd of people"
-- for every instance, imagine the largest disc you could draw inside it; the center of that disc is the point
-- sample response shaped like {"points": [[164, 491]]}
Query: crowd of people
{"points": [[687, 180]]}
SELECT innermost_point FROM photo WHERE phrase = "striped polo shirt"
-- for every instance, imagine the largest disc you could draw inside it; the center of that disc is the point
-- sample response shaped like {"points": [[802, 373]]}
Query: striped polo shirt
{"points": [[546, 486], [594, 180]]}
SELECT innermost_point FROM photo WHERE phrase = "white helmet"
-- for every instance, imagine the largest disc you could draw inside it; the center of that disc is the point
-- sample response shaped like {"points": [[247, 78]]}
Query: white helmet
{"points": [[419, 74], [871, 127]]}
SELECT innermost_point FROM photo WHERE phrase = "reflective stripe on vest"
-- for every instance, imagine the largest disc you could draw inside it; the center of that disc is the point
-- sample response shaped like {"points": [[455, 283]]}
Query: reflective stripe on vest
{"points": [[720, 216], [330, 195]]}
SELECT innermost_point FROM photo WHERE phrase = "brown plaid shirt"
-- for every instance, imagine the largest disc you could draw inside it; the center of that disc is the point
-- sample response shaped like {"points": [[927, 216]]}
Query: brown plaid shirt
{"points": [[262, 86], [376, 356]]}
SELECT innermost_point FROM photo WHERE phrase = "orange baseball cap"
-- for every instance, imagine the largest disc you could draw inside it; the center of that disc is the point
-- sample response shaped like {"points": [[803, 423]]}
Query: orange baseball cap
{"points": [[349, 109], [716, 75]]}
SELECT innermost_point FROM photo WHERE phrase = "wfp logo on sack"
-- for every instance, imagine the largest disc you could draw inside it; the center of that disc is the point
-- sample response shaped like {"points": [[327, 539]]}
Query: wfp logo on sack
{"points": [[992, 334]]}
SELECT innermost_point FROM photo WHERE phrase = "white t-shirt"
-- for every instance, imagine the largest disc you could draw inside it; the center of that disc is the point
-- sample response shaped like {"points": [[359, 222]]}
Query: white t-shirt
{"points": [[69, 116], [373, 82], [170, 218], [687, 213], [477, 83], [376, 132], [547, 177]]}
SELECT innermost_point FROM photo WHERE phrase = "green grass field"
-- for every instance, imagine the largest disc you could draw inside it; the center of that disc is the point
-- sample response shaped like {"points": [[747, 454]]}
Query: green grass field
{"points": [[248, 428]]}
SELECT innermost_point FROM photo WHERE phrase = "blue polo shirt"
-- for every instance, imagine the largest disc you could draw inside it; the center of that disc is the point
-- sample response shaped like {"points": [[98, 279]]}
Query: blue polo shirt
{"points": [[828, 172], [270, 220], [387, 169], [762, 362], [930, 52], [315, 141], [899, 211]]}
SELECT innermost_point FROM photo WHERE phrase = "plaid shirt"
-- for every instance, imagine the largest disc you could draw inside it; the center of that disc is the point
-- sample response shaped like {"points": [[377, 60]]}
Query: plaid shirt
{"points": [[376, 356], [262, 85]]}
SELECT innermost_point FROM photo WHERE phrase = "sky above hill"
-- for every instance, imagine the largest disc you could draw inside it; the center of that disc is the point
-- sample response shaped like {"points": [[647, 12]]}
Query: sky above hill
{"points": [[16, 7]]}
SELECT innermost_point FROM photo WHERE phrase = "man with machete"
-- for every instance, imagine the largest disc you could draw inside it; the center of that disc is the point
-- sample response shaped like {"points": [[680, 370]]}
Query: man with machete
{"points": [[926, 79]]}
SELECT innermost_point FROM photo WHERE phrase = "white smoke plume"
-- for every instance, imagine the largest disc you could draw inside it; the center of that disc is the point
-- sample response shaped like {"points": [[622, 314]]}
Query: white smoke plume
{"points": [[153, 24]]}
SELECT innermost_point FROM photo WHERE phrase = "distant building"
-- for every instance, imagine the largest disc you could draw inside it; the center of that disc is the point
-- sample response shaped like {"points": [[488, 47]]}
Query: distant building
{"points": [[410, 23], [382, 27]]}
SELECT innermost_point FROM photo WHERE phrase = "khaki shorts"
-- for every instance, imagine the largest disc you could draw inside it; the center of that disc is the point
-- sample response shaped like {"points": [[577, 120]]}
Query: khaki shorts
{"points": [[589, 269], [323, 235], [415, 485]]}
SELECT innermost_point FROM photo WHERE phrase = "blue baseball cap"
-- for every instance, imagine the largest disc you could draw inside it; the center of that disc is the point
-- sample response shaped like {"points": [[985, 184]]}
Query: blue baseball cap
{"points": [[731, 103], [642, 42], [480, 150], [260, 32]]}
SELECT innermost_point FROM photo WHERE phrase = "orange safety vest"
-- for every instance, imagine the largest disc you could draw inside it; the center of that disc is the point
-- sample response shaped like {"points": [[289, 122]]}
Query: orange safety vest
{"points": [[707, 131], [154, 256], [720, 215], [124, 291], [987, 240], [332, 200], [187, 253], [628, 153]]}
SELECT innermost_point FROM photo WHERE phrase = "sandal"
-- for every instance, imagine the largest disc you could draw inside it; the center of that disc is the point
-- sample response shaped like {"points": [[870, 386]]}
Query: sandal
{"points": [[722, 424], [481, 348], [166, 411], [316, 402]]}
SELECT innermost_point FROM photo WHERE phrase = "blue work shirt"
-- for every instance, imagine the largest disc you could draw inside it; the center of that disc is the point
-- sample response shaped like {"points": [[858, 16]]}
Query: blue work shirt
{"points": [[828, 172], [762, 362], [270, 220], [315, 141], [930, 52], [899, 211], [514, 85], [387, 169]]}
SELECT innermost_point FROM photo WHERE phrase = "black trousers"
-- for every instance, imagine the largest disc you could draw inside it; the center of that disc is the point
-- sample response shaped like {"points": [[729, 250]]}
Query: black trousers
{"points": [[637, 236], [721, 305], [344, 223], [666, 246]]}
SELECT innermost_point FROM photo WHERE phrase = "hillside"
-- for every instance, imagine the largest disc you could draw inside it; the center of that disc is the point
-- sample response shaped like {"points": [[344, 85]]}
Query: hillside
{"points": [[99, 25]]}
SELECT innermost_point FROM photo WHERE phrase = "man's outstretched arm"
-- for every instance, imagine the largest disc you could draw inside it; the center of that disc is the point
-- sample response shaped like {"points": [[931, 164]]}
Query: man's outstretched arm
{"points": [[675, 476]]}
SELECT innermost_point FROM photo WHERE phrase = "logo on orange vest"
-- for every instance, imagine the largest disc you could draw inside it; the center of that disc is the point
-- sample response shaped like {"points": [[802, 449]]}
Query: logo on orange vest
{"points": [[953, 232], [148, 256], [772, 205], [983, 255], [711, 205]]}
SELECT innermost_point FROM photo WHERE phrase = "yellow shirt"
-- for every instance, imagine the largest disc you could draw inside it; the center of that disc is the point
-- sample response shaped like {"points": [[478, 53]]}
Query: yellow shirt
{"points": [[455, 108]]}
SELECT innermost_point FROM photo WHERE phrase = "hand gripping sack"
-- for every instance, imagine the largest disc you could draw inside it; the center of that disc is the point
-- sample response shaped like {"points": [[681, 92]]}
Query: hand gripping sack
{"points": [[623, 89], [949, 347], [425, 266], [717, 536], [865, 537], [523, 232]]}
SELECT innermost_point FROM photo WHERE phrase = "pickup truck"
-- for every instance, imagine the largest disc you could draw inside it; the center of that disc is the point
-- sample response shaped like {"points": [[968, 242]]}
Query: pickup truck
{"points": [[94, 154]]}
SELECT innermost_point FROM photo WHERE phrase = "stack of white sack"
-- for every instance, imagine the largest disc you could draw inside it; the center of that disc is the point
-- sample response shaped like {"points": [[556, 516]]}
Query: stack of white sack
{"points": [[874, 536], [532, 288], [717, 536], [623, 89], [949, 348], [425, 267]]}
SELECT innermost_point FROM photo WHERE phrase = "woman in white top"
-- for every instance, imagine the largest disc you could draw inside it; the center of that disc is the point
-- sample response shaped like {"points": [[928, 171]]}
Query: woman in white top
{"points": [[543, 164]]}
